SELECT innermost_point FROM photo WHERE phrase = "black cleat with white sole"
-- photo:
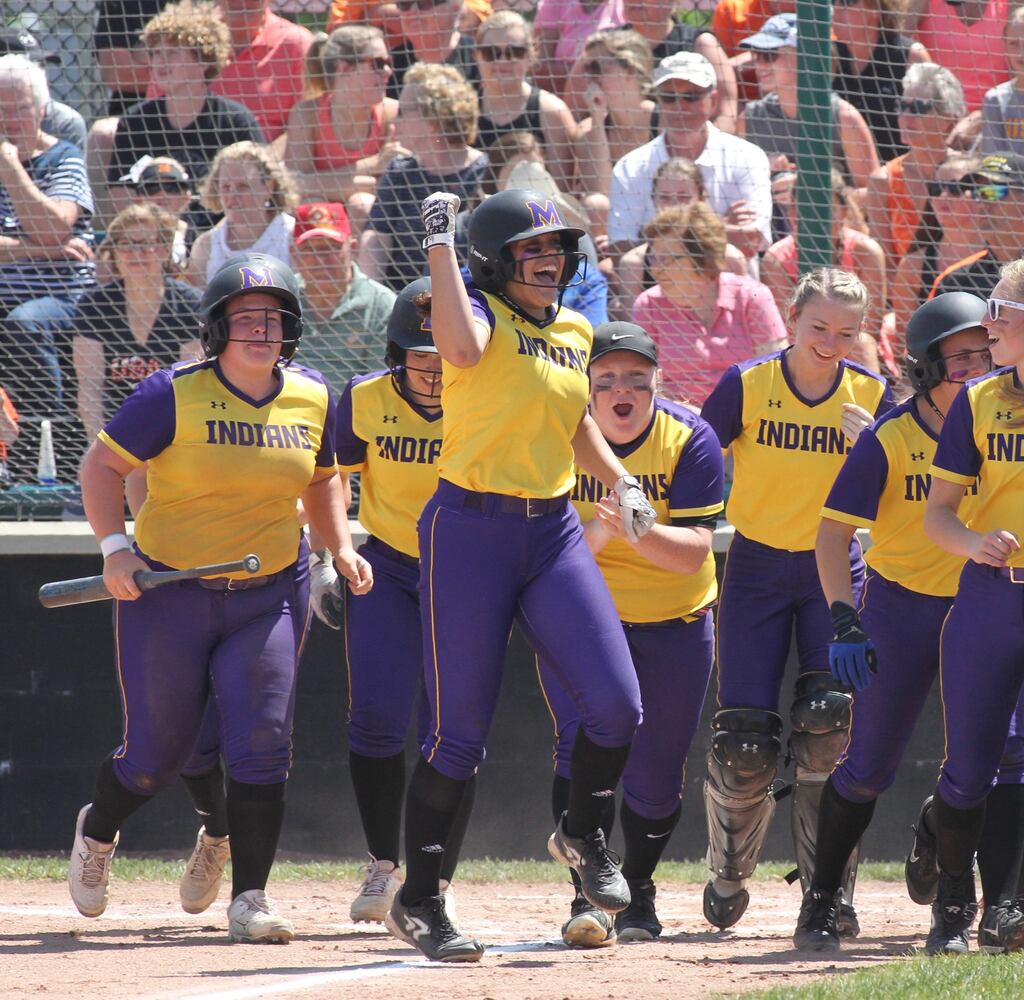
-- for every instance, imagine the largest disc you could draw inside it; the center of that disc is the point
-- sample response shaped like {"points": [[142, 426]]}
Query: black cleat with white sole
{"points": [[600, 879], [426, 927]]}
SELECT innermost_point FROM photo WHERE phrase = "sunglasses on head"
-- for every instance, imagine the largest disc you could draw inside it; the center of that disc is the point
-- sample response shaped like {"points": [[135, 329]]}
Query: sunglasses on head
{"points": [[996, 306], [688, 97], [492, 53], [916, 106], [952, 188], [990, 192]]}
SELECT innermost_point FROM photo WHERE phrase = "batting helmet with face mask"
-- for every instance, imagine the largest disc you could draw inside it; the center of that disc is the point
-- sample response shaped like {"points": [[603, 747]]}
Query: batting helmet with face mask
{"points": [[931, 323]]}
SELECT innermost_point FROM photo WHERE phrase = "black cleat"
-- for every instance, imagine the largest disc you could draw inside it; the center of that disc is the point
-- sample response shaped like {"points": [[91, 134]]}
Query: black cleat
{"points": [[816, 928], [639, 921], [724, 911], [600, 880], [846, 917], [588, 926], [953, 912], [922, 867], [426, 927], [1002, 927]]}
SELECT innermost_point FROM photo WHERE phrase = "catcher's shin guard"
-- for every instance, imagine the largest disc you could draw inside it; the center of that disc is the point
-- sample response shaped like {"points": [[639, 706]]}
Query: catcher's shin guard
{"points": [[821, 729], [745, 747]]}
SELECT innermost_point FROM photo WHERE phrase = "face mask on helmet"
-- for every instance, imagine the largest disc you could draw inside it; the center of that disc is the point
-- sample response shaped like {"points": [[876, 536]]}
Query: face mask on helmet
{"points": [[257, 325]]}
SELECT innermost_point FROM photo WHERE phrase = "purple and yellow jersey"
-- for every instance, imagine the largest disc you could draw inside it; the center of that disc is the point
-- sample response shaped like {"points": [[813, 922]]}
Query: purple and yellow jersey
{"points": [[510, 419], [977, 443], [679, 464], [395, 445], [883, 486], [786, 449], [225, 470]]}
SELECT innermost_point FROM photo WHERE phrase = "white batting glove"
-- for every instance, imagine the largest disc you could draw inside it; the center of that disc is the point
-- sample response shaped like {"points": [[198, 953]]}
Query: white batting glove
{"points": [[438, 211], [638, 516], [325, 590]]}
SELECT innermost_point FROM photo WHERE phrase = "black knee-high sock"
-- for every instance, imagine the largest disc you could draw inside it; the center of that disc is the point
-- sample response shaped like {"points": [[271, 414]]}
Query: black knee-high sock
{"points": [[379, 784], [595, 773], [453, 848], [560, 803], [430, 810], [1002, 842], [841, 824], [209, 799], [112, 804], [957, 832], [255, 815], [646, 840]]}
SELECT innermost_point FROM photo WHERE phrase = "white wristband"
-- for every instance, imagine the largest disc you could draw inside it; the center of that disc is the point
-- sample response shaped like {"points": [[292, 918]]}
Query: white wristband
{"points": [[114, 543]]}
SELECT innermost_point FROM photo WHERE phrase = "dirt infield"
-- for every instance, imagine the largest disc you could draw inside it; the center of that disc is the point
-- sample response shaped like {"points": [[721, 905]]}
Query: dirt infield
{"points": [[146, 948]]}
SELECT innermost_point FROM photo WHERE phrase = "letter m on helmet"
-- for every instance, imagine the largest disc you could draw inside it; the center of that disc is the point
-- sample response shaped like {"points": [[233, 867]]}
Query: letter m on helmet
{"points": [[255, 277], [544, 214]]}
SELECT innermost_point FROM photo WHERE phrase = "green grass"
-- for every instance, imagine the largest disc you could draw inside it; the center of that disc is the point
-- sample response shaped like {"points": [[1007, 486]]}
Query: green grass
{"points": [[967, 977], [139, 869]]}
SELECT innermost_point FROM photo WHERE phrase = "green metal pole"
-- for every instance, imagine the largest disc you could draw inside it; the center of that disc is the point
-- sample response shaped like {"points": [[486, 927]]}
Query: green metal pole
{"points": [[814, 133]]}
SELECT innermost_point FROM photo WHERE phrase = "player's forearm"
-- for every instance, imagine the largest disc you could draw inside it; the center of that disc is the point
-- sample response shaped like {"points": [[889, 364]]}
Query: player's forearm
{"points": [[459, 338], [677, 548], [594, 455], [324, 501], [832, 554], [945, 529]]}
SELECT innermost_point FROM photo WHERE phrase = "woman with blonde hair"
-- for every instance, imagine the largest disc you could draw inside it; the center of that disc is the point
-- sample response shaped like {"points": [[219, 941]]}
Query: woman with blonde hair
{"points": [[254, 190], [509, 102], [342, 136]]}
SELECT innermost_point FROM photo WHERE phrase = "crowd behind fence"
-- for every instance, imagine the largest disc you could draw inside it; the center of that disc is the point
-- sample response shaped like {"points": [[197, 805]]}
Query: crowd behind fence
{"points": [[142, 143]]}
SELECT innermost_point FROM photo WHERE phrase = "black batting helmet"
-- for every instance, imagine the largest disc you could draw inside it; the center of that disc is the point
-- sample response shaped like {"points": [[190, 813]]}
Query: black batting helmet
{"points": [[932, 322], [504, 218], [408, 327], [241, 274]]}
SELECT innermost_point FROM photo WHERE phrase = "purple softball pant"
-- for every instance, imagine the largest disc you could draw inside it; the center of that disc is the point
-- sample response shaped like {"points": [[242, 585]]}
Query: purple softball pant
{"points": [[673, 662], [982, 671], [485, 563], [181, 644]]}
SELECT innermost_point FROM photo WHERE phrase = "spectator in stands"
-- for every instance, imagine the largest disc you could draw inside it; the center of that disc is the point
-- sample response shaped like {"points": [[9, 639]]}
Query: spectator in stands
{"points": [[509, 102], [735, 20], [254, 190], [561, 28], [384, 14], [771, 121], [677, 182], [163, 181], [666, 35], [947, 234], [267, 65], [702, 317], [437, 124], [341, 139], [344, 313], [736, 173], [1003, 108], [188, 46], [46, 258], [431, 34], [852, 250], [60, 120], [8, 435], [872, 57], [117, 39], [997, 188], [142, 321], [932, 102]]}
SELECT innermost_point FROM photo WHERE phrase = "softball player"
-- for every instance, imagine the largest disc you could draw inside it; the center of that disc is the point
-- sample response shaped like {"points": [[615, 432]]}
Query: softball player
{"points": [[500, 542], [789, 418], [388, 430], [663, 586], [232, 443], [981, 442], [882, 486]]}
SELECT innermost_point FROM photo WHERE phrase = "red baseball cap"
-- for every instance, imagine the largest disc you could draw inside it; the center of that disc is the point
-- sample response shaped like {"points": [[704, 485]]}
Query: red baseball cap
{"points": [[321, 218]]}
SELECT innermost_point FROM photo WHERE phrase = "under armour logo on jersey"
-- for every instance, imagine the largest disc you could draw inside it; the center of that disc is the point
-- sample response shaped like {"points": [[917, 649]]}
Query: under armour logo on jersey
{"points": [[815, 705], [390, 420], [432, 849], [217, 405], [604, 793], [750, 747], [1004, 414], [917, 456], [544, 215], [774, 402]]}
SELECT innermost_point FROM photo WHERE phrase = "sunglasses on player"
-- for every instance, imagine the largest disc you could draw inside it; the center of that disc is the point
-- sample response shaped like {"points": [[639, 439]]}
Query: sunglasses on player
{"points": [[996, 306]]}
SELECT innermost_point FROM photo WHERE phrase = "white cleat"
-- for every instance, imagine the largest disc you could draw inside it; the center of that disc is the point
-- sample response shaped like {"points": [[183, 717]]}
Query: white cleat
{"points": [[89, 870], [252, 920], [379, 886], [201, 880]]}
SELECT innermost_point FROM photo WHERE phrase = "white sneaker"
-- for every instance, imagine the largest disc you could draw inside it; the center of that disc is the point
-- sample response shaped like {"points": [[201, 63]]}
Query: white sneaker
{"points": [[251, 919], [379, 886], [89, 870], [448, 891], [201, 880]]}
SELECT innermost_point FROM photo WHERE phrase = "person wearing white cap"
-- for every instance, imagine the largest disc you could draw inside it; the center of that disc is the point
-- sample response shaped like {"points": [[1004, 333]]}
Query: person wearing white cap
{"points": [[736, 172], [771, 121]]}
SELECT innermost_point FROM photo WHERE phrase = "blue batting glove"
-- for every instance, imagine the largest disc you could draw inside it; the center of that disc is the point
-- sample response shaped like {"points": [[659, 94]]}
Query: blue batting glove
{"points": [[851, 654]]}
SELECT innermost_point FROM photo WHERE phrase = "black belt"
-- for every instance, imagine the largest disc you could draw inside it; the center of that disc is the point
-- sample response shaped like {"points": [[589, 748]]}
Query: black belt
{"points": [[524, 506], [247, 583], [391, 552]]}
